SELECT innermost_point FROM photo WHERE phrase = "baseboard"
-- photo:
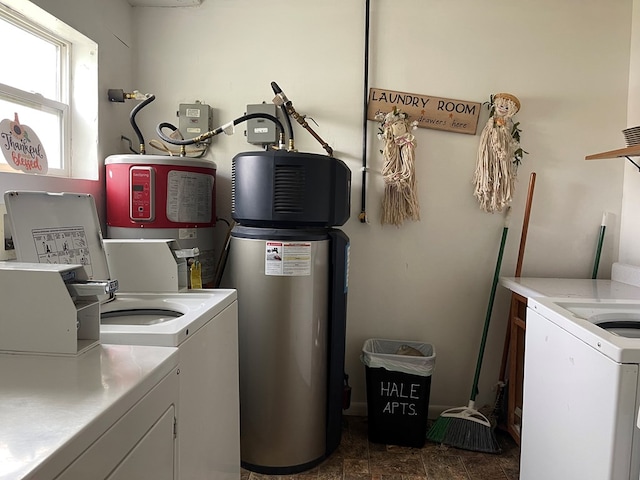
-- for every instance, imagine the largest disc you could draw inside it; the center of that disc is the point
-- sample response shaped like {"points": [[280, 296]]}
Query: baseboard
{"points": [[357, 409]]}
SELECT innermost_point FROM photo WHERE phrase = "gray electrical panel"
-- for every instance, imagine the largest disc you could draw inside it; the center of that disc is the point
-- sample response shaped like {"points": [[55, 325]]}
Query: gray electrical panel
{"points": [[194, 119], [261, 131]]}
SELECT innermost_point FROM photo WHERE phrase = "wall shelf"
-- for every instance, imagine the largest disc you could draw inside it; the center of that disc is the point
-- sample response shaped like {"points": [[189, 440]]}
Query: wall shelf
{"points": [[627, 153], [622, 152]]}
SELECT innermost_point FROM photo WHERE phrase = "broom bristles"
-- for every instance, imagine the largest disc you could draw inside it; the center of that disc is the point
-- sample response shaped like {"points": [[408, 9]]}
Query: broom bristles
{"points": [[465, 434], [470, 435], [438, 430]]}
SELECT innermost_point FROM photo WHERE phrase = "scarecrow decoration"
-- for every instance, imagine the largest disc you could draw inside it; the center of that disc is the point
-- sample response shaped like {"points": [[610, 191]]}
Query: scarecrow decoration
{"points": [[400, 201], [499, 155]]}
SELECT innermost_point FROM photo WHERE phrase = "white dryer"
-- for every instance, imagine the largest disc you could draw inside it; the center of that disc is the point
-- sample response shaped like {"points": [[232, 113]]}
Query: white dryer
{"points": [[64, 228], [581, 390]]}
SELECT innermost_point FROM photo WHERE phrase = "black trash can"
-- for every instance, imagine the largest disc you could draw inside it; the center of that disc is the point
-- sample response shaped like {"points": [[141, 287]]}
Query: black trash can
{"points": [[398, 387]]}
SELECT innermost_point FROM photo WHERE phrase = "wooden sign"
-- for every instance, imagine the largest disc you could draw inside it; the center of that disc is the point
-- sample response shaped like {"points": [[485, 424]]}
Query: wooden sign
{"points": [[430, 112]]}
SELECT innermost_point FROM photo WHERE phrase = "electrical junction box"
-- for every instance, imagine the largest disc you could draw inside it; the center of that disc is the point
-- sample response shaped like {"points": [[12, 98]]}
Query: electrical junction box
{"points": [[261, 131], [194, 119]]}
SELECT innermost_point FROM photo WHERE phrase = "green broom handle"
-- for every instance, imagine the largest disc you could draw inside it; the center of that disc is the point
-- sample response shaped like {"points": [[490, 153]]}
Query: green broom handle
{"points": [[596, 262], [492, 296]]}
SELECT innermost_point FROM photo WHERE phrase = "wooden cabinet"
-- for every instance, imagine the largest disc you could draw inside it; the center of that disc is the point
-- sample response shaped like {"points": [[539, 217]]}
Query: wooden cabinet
{"points": [[517, 321]]}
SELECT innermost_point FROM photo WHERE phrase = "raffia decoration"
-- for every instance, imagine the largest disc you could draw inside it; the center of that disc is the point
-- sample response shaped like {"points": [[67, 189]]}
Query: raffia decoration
{"points": [[400, 200]]}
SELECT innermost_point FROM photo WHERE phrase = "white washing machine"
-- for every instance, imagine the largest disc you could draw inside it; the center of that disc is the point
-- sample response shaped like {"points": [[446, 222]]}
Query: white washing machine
{"points": [[581, 390], [203, 324], [204, 327]]}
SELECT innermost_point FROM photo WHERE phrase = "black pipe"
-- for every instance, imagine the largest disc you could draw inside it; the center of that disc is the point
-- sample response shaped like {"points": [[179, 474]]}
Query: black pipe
{"points": [[287, 119], [215, 132], [278, 91], [173, 129], [132, 119], [363, 211]]}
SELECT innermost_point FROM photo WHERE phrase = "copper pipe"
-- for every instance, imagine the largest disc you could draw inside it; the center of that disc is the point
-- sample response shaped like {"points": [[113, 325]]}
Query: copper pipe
{"points": [[301, 120]]}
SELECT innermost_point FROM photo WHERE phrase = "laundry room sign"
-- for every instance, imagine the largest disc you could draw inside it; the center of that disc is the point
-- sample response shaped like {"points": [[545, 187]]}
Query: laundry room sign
{"points": [[438, 113]]}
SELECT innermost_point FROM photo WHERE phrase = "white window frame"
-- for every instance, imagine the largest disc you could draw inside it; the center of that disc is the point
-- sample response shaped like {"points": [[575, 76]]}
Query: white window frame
{"points": [[36, 101], [78, 83]]}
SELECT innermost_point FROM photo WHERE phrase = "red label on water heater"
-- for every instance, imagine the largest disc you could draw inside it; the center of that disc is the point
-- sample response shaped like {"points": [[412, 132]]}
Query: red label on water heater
{"points": [[141, 193]]}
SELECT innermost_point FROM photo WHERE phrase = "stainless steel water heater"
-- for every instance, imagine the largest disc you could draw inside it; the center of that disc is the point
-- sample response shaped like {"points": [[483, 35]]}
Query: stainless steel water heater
{"points": [[290, 267]]}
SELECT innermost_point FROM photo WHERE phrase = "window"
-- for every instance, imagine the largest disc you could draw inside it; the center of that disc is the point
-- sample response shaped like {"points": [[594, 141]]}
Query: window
{"points": [[49, 81]]}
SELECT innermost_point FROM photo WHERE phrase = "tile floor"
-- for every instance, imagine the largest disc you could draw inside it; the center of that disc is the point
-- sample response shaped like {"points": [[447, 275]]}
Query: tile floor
{"points": [[358, 459]]}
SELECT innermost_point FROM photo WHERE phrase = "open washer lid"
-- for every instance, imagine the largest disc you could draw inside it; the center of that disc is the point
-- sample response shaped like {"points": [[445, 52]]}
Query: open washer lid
{"points": [[57, 228], [41, 219], [64, 228]]}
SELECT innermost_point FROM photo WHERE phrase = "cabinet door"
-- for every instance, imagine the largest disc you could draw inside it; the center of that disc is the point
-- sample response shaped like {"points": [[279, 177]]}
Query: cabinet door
{"points": [[152, 458], [142, 440]]}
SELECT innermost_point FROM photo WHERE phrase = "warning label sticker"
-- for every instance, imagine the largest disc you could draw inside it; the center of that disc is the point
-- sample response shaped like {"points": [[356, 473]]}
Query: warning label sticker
{"points": [[63, 245], [290, 259]]}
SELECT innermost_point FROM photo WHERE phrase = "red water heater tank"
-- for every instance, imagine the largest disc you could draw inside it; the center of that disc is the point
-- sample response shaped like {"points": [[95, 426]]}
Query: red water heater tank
{"points": [[157, 196]]}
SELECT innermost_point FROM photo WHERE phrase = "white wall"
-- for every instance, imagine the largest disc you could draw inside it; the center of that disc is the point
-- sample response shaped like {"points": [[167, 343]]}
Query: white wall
{"points": [[427, 281], [630, 225], [109, 25]]}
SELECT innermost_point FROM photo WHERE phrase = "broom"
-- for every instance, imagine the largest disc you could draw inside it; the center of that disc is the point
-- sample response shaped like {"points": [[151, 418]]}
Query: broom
{"points": [[596, 262], [466, 427]]}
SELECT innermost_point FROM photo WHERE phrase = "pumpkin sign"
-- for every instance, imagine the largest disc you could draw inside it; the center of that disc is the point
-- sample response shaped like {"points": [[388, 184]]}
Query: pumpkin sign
{"points": [[21, 147]]}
